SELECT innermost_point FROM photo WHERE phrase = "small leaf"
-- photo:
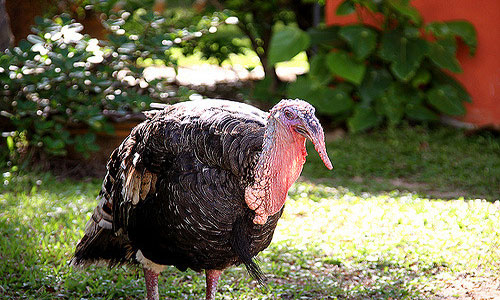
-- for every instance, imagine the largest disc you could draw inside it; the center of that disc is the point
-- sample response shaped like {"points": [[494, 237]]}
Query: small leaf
{"points": [[286, 43], [345, 8], [445, 98], [404, 53], [24, 45], [343, 65], [412, 32], [422, 77], [405, 9], [10, 143], [416, 110], [443, 78], [361, 39], [363, 118], [375, 83], [35, 39], [463, 29], [442, 54]]}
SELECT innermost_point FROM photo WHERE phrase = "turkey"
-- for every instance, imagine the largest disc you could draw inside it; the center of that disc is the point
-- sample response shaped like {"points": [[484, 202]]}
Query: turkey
{"points": [[200, 185]]}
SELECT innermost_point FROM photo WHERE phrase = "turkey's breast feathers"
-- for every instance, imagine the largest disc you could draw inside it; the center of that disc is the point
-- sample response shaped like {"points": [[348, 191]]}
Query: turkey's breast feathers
{"points": [[175, 187]]}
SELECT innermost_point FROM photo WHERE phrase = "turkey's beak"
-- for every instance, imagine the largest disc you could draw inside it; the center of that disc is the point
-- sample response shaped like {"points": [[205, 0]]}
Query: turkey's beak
{"points": [[312, 130]]}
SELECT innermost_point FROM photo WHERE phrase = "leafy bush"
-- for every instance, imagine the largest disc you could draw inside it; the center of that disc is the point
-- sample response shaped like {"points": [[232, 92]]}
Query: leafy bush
{"points": [[366, 75], [59, 79]]}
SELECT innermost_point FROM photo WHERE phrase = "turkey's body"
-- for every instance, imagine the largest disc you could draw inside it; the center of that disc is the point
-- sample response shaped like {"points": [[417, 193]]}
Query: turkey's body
{"points": [[186, 169], [199, 185]]}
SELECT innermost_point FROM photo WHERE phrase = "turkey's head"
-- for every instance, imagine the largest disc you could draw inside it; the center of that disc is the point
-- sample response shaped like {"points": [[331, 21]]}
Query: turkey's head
{"points": [[298, 117], [290, 123]]}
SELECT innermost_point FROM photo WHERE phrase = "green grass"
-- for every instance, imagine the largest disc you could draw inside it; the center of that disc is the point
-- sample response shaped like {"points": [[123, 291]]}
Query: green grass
{"points": [[340, 237], [441, 163]]}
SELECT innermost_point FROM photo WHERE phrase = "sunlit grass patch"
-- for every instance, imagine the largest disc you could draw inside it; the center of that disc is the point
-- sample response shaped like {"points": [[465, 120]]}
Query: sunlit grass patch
{"points": [[330, 243]]}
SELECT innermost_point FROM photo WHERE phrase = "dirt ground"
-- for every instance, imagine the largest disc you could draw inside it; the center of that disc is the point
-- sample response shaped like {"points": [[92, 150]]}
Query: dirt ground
{"points": [[470, 287]]}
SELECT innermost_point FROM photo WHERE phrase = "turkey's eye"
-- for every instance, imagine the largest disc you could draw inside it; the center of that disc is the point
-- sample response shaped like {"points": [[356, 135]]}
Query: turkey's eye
{"points": [[289, 115]]}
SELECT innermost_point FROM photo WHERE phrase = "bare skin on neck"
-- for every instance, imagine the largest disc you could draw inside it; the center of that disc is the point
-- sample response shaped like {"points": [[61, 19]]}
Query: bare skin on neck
{"points": [[279, 167], [283, 155]]}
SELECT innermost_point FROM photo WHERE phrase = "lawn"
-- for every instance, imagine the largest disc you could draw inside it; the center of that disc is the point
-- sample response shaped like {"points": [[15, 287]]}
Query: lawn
{"points": [[397, 219]]}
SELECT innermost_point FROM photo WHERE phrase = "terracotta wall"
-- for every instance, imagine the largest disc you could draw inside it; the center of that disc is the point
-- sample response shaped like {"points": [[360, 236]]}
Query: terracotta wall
{"points": [[481, 74]]}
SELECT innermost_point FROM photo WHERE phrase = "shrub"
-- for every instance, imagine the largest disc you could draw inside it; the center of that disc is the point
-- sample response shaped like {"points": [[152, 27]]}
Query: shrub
{"points": [[59, 79], [370, 75]]}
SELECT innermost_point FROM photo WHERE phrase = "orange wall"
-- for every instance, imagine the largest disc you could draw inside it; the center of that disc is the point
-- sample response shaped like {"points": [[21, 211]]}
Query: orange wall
{"points": [[481, 75]]}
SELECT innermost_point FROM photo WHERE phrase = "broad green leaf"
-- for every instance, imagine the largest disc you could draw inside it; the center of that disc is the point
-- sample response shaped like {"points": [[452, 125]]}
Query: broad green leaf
{"points": [[328, 35], [343, 65], [345, 8], [302, 88], [404, 8], [463, 29], [416, 110], [445, 98], [318, 70], [333, 100], [443, 78], [286, 43], [361, 39], [327, 100], [404, 54], [422, 77], [363, 118], [376, 81], [442, 54]]}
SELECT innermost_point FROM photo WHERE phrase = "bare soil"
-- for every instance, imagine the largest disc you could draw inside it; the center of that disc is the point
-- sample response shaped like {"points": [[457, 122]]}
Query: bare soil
{"points": [[470, 287]]}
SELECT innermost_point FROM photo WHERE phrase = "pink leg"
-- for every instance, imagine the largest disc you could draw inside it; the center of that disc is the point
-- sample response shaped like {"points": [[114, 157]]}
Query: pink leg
{"points": [[212, 280], [151, 284]]}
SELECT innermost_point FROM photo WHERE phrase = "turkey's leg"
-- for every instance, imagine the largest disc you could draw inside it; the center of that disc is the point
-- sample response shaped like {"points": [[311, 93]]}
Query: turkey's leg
{"points": [[212, 280], [151, 284]]}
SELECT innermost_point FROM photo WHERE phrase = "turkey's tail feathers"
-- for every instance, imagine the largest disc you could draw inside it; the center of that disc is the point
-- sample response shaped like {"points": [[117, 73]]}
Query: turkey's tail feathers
{"points": [[102, 247], [100, 244], [241, 246]]}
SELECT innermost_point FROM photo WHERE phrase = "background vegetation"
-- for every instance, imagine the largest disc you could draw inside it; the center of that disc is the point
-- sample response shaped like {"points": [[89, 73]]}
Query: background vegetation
{"points": [[361, 76]]}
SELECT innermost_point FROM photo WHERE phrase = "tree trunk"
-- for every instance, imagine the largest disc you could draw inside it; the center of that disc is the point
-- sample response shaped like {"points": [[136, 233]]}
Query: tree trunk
{"points": [[6, 37]]}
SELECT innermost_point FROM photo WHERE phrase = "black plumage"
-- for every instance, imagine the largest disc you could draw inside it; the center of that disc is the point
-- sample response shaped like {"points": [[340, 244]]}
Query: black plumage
{"points": [[175, 191]]}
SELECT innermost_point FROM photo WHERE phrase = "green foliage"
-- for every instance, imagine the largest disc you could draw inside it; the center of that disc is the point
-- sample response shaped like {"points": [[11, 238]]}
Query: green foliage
{"points": [[394, 71], [342, 64], [58, 79], [287, 42]]}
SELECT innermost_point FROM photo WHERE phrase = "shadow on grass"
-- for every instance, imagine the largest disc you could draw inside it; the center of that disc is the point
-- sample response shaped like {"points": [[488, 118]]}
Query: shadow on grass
{"points": [[39, 232], [443, 163]]}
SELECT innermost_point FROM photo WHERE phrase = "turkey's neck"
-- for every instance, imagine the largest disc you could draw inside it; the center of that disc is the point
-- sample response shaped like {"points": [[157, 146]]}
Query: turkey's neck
{"points": [[280, 164]]}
